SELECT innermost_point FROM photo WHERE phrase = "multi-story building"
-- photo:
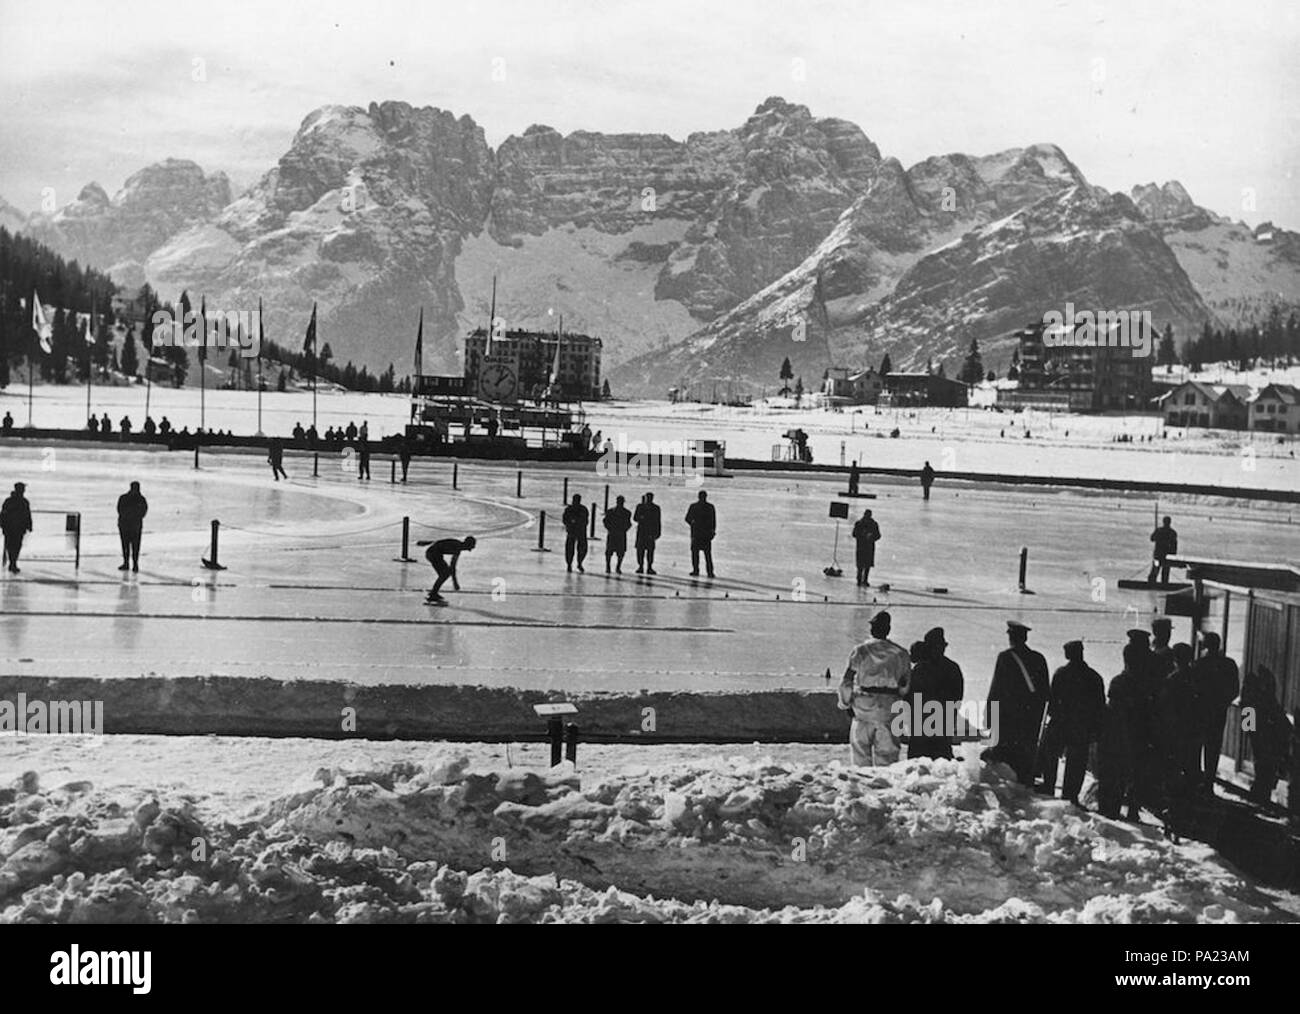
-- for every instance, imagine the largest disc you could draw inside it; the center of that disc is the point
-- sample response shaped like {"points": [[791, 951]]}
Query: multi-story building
{"points": [[1276, 409], [844, 388], [922, 389], [1211, 406], [522, 365], [1092, 377]]}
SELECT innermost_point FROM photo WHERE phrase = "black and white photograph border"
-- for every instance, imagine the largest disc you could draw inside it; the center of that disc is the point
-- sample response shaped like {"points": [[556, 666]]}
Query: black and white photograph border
{"points": [[575, 462]]}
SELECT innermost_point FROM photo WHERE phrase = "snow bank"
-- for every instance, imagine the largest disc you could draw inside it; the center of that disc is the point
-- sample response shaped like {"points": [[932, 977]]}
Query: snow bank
{"points": [[725, 841]]}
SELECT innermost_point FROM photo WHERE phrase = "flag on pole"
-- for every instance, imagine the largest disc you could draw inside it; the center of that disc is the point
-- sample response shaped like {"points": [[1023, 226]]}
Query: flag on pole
{"points": [[309, 346], [203, 332], [90, 334], [187, 311], [419, 345], [41, 324]]}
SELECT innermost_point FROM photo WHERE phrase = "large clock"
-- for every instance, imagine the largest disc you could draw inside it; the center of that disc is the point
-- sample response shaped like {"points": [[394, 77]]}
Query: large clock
{"points": [[497, 383]]}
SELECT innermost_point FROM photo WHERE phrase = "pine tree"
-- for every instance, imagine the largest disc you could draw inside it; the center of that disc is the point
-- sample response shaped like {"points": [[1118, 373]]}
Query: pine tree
{"points": [[886, 366], [1167, 353], [130, 357], [787, 372], [283, 382], [972, 368], [604, 391]]}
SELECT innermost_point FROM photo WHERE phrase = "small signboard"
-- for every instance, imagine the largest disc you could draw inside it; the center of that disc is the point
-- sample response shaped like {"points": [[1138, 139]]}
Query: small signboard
{"points": [[839, 510], [560, 708]]}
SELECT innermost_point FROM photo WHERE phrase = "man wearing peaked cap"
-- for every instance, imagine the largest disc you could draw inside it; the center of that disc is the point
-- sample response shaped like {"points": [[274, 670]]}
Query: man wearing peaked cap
{"points": [[1020, 690], [1074, 720]]}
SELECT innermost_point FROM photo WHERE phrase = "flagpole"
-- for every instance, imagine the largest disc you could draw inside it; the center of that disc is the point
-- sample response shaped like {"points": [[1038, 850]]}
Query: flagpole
{"points": [[260, 334], [203, 361], [90, 359]]}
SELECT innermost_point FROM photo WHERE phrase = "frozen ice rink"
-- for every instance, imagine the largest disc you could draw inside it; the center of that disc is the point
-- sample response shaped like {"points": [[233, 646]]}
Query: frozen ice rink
{"points": [[313, 590]]}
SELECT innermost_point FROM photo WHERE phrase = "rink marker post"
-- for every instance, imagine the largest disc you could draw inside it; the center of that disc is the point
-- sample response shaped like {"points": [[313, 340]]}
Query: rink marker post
{"points": [[315, 466], [519, 484], [1024, 567], [392, 475], [455, 474], [565, 499], [406, 542], [212, 562], [541, 534]]}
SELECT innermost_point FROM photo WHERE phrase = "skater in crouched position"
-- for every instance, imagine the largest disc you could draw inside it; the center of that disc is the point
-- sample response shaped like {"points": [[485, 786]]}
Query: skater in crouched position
{"points": [[877, 670], [443, 556]]}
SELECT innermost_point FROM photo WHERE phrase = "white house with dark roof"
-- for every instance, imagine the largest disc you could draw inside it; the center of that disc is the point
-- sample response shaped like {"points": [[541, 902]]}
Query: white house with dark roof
{"points": [[1276, 409], [1211, 406]]}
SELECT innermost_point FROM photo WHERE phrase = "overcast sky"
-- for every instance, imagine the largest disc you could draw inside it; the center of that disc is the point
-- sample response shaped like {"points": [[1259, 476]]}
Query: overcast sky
{"points": [[1139, 91]]}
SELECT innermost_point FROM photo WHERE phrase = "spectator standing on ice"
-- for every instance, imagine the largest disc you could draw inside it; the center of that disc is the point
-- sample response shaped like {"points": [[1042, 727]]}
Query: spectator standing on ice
{"points": [[105, 424], [866, 533], [1020, 689], [150, 427], [443, 555], [927, 480], [574, 519], [15, 523], [648, 529], [165, 427], [131, 510], [363, 459], [1217, 681], [877, 670], [351, 431], [1075, 714], [92, 424], [703, 522], [617, 521], [125, 426], [404, 455], [1166, 545], [8, 424], [275, 458], [299, 433]]}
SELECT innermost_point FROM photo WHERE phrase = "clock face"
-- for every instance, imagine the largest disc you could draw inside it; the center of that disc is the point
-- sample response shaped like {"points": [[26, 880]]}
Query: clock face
{"points": [[497, 383]]}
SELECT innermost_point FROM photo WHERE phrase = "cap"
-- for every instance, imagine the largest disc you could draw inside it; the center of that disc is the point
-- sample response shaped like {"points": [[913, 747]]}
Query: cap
{"points": [[1017, 625], [1138, 634], [935, 636], [1073, 646], [19, 487], [1161, 621]]}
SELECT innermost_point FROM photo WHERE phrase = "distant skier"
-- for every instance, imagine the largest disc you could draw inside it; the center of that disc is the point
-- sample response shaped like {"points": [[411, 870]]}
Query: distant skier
{"points": [[575, 520], [443, 555], [617, 520], [15, 523], [131, 510], [866, 533], [275, 458], [648, 529], [927, 480], [703, 522], [1166, 545]]}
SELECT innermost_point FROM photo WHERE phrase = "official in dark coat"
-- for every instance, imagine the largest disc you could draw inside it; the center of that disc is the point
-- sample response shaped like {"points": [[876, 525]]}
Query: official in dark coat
{"points": [[1020, 689], [866, 533], [649, 524], [15, 523], [1074, 719], [574, 519], [703, 522], [1165, 545], [1177, 733], [617, 521], [935, 678], [131, 510], [1267, 730], [1217, 682]]}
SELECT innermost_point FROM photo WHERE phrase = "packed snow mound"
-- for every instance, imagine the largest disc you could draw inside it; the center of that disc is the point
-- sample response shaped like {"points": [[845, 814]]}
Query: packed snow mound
{"points": [[728, 841]]}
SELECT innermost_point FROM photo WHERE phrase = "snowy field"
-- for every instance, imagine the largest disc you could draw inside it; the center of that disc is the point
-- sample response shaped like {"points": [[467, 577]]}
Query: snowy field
{"points": [[104, 830]]}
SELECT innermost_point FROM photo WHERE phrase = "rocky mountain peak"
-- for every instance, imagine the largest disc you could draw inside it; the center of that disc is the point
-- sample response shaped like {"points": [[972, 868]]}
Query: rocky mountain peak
{"points": [[1163, 203]]}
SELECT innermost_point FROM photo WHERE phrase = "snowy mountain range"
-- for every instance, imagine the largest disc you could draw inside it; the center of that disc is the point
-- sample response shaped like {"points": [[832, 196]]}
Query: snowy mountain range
{"points": [[713, 257]]}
